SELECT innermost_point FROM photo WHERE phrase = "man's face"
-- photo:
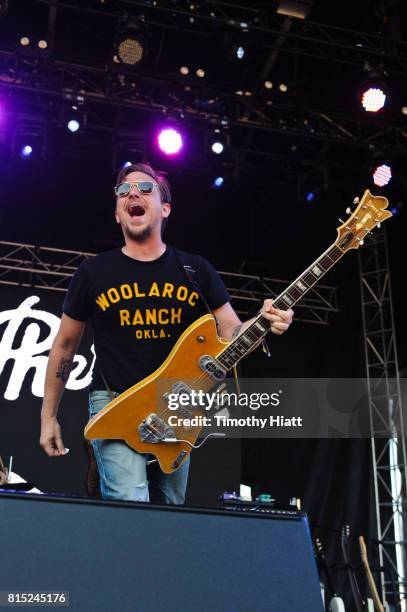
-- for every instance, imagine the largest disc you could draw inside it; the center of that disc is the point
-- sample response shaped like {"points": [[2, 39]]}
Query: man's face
{"points": [[140, 215]]}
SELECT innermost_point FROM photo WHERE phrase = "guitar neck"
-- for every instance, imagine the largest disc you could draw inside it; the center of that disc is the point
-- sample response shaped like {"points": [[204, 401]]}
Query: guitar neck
{"points": [[257, 330]]}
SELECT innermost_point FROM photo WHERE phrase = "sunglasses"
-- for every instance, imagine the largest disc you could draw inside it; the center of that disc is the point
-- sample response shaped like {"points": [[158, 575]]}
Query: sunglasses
{"points": [[144, 187]]}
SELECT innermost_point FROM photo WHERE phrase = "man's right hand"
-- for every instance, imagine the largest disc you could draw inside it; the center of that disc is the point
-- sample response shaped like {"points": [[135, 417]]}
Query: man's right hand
{"points": [[51, 440]]}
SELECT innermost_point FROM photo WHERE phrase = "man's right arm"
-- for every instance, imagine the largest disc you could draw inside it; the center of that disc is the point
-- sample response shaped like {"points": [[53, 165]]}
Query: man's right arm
{"points": [[58, 369]]}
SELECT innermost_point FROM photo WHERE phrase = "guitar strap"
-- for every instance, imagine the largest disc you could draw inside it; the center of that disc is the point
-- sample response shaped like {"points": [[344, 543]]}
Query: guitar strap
{"points": [[188, 272]]}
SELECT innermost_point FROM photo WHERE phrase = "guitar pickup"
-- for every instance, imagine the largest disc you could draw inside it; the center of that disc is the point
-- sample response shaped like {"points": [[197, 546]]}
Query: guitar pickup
{"points": [[212, 367]]}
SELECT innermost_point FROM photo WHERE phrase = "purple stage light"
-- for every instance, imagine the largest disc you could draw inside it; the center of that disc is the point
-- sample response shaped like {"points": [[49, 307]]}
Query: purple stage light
{"points": [[170, 141]]}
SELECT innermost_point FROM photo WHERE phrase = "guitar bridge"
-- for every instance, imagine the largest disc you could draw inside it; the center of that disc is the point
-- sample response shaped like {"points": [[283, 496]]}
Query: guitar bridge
{"points": [[153, 429]]}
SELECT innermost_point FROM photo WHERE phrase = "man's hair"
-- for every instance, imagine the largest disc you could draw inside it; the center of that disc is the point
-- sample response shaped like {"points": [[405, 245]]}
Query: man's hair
{"points": [[163, 184]]}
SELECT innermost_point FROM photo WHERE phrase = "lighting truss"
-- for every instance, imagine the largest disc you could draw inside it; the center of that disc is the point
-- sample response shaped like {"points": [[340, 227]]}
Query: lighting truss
{"points": [[27, 265]]}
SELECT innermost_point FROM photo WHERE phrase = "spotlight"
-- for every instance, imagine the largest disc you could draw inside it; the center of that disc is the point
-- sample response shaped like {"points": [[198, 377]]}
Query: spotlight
{"points": [[24, 41], [373, 99], [170, 141], [73, 125], [126, 164], [130, 44], [268, 84], [42, 44], [373, 92], [130, 51], [283, 87], [26, 151], [404, 110], [382, 175], [310, 196], [217, 147], [240, 53], [218, 182], [200, 73], [184, 70]]}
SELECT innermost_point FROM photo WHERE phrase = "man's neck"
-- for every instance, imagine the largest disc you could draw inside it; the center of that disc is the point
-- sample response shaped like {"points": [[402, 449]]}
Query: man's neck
{"points": [[149, 250]]}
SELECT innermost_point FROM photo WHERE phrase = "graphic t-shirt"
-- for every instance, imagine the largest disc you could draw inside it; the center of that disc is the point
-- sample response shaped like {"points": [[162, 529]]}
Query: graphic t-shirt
{"points": [[138, 309]]}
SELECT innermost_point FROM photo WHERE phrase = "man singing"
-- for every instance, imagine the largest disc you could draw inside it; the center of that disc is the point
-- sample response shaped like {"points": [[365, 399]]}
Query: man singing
{"points": [[139, 299]]}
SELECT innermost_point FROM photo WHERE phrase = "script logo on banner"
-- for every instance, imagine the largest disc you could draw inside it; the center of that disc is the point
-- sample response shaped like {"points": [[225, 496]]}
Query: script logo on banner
{"points": [[31, 352]]}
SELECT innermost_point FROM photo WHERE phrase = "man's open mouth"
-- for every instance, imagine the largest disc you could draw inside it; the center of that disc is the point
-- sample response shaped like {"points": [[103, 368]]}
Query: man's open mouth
{"points": [[135, 210]]}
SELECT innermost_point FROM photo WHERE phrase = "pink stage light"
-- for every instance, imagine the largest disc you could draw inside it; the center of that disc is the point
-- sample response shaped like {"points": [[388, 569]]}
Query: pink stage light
{"points": [[373, 99], [382, 175], [170, 141]]}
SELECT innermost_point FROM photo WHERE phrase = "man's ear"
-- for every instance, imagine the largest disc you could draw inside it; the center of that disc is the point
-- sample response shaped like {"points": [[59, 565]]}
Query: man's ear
{"points": [[116, 216], [166, 209]]}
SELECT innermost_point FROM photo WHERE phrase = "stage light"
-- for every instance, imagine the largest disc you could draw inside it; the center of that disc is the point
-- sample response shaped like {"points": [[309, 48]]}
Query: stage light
{"points": [[382, 175], [268, 84], [404, 110], [73, 125], [283, 87], [131, 44], [42, 44], [170, 141], [130, 51], [200, 73], [217, 147], [126, 164], [373, 99], [240, 53], [218, 182], [184, 70], [310, 196], [26, 151], [24, 41]]}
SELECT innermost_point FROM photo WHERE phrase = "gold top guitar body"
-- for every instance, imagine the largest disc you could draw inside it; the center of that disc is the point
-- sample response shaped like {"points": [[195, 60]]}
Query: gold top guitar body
{"points": [[121, 418]]}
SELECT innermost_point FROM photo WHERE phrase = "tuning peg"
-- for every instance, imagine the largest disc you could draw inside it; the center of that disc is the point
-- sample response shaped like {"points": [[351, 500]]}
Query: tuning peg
{"points": [[379, 225], [361, 242], [341, 220], [356, 200], [348, 210]]}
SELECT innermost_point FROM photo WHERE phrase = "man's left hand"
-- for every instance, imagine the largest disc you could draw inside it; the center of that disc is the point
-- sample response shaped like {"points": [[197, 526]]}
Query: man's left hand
{"points": [[280, 320]]}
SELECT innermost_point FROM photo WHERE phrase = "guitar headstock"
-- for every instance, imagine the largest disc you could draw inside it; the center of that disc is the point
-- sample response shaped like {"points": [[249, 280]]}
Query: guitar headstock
{"points": [[371, 211]]}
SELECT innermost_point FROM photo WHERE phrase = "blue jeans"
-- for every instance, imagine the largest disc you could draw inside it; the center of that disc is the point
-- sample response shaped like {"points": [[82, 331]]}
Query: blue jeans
{"points": [[123, 471]]}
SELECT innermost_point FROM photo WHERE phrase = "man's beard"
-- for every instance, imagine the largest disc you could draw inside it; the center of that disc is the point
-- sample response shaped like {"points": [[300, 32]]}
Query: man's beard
{"points": [[138, 236]]}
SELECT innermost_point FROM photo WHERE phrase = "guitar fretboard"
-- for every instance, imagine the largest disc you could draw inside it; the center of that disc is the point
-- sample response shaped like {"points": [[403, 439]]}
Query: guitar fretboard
{"points": [[259, 327]]}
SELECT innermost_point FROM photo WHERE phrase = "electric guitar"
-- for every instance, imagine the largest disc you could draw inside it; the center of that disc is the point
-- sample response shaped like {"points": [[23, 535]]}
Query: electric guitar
{"points": [[376, 599], [139, 416], [336, 603]]}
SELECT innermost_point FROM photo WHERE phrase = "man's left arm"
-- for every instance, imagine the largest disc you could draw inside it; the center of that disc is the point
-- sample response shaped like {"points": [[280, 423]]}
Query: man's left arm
{"points": [[230, 326]]}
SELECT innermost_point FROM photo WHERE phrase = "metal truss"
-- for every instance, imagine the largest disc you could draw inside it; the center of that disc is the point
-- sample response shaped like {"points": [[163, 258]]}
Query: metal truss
{"points": [[386, 418], [163, 94], [27, 265], [217, 103], [305, 37]]}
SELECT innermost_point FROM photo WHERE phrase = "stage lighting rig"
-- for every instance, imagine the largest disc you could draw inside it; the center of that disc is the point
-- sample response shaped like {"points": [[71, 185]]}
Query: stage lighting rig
{"points": [[170, 140], [374, 91], [382, 175], [131, 44]]}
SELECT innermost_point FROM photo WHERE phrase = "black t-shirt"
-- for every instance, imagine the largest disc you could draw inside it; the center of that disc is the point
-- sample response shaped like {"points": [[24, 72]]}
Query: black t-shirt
{"points": [[138, 309]]}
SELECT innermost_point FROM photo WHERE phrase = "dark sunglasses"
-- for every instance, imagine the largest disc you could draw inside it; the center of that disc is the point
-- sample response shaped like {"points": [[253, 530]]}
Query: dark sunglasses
{"points": [[144, 187]]}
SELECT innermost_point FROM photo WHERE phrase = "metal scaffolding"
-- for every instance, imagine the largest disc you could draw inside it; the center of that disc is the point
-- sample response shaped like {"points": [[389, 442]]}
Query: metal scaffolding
{"points": [[386, 417], [27, 265]]}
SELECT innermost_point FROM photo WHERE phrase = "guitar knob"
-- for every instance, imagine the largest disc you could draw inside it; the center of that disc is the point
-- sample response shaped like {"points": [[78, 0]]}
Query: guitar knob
{"points": [[348, 210], [356, 200]]}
